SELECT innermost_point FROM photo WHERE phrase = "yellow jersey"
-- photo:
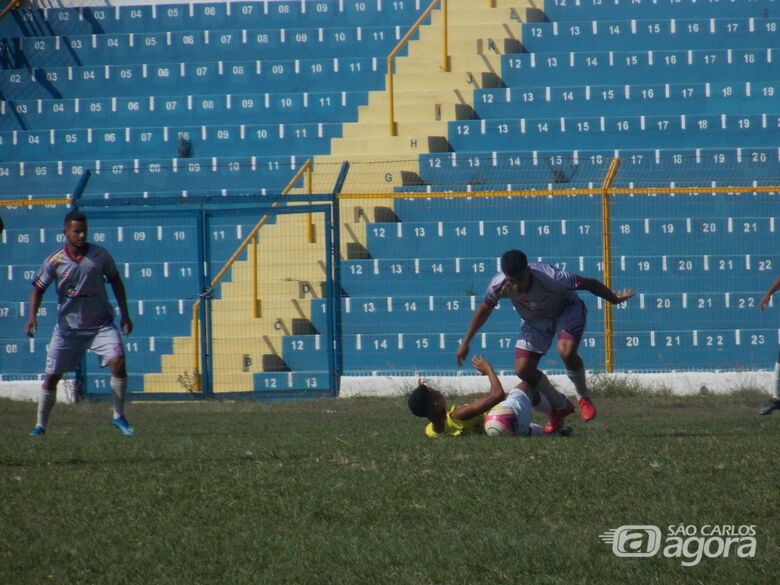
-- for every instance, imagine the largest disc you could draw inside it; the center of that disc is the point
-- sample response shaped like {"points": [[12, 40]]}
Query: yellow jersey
{"points": [[455, 428]]}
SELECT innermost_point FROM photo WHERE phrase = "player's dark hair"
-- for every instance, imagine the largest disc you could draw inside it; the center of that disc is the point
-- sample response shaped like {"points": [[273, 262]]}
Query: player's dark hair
{"points": [[420, 401], [513, 263], [74, 215]]}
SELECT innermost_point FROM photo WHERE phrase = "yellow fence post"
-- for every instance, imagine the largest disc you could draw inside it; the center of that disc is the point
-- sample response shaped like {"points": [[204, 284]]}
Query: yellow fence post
{"points": [[606, 244], [309, 220]]}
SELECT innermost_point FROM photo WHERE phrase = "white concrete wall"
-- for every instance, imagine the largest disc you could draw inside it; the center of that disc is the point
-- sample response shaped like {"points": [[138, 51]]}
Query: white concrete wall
{"points": [[680, 383]]}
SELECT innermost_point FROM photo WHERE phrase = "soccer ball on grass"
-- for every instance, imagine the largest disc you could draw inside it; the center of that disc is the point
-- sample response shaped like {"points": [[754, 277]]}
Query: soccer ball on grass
{"points": [[500, 421]]}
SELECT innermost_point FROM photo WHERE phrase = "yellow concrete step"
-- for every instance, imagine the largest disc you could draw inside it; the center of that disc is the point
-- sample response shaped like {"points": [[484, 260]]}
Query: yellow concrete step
{"points": [[382, 128], [370, 173], [224, 382], [390, 145], [417, 107], [496, 31], [431, 64]]}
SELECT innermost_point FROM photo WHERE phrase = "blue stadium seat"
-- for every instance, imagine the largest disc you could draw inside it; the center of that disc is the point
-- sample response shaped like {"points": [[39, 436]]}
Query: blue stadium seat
{"points": [[692, 310], [482, 238], [705, 349], [578, 10], [651, 33], [297, 75], [178, 110], [692, 272], [497, 208], [197, 16], [147, 142], [174, 47], [411, 314], [309, 381], [648, 99], [444, 275], [614, 67], [249, 174], [615, 132]]}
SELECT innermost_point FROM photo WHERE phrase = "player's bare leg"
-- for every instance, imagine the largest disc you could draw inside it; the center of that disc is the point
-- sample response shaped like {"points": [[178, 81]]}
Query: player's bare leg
{"points": [[526, 367], [575, 371]]}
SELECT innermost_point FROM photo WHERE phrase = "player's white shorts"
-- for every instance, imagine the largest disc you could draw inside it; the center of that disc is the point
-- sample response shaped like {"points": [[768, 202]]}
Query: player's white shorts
{"points": [[520, 403], [570, 324], [67, 347]]}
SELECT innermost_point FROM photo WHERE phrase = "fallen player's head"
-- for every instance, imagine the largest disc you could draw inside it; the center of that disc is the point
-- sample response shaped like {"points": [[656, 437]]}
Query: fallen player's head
{"points": [[424, 401]]}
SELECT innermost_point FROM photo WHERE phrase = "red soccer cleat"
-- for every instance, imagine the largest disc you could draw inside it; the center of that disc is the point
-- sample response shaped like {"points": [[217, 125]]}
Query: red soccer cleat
{"points": [[587, 410], [557, 416]]}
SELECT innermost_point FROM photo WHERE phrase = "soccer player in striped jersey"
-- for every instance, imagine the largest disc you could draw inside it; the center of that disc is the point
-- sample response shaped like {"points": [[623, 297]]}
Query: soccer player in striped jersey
{"points": [[774, 403], [549, 306], [85, 317]]}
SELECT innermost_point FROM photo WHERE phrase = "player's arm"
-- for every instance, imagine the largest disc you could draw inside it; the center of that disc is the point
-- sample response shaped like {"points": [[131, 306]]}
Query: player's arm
{"points": [[36, 297], [772, 290], [480, 317], [485, 403], [125, 324], [599, 289]]}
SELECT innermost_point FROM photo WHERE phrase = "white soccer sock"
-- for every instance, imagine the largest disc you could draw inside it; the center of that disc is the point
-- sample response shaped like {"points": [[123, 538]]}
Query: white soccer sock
{"points": [[577, 378], [118, 392], [777, 381], [537, 430], [545, 387], [543, 405], [46, 401]]}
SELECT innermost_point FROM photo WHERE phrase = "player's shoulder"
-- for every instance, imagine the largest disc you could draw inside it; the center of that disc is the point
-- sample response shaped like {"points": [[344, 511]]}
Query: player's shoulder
{"points": [[541, 267], [498, 280], [96, 251], [57, 257]]}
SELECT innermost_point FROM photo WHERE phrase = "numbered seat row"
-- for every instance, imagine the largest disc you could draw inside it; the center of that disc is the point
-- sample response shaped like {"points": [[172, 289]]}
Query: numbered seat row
{"points": [[616, 132], [21, 356], [414, 314], [577, 206], [235, 77], [698, 234], [175, 280], [174, 47], [156, 177], [425, 354], [581, 10], [648, 99], [646, 34], [661, 273], [214, 109], [175, 240], [202, 16], [151, 317], [472, 169], [302, 139], [616, 67]]}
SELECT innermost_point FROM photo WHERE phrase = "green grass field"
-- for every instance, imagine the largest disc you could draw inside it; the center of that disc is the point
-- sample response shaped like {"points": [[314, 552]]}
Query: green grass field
{"points": [[348, 491]]}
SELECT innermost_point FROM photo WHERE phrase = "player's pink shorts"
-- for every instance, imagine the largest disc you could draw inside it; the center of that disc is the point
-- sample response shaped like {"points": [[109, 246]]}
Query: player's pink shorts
{"points": [[67, 347], [570, 324]]}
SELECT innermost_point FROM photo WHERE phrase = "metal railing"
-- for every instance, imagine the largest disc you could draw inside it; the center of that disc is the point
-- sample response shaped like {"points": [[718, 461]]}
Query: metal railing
{"points": [[445, 64], [12, 5]]}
